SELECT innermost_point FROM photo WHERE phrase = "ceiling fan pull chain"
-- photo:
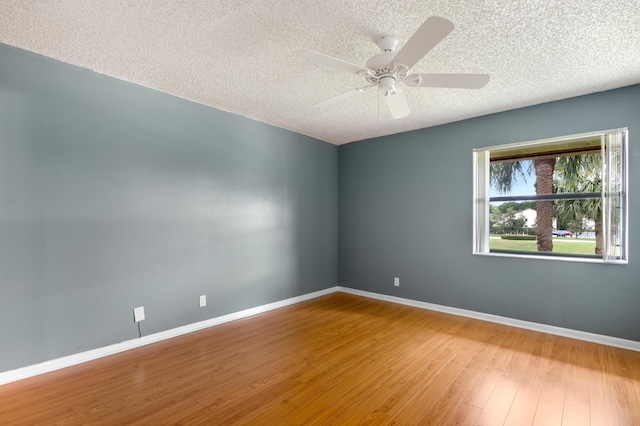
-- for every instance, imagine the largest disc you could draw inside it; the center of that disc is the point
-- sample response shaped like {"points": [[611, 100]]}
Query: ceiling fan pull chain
{"points": [[378, 97]]}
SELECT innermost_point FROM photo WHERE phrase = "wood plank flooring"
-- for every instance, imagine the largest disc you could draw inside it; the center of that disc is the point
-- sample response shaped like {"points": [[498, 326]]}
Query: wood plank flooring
{"points": [[341, 360]]}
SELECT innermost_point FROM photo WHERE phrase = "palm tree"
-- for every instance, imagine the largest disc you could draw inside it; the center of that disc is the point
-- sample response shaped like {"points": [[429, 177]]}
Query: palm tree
{"points": [[505, 174], [575, 174], [544, 209]]}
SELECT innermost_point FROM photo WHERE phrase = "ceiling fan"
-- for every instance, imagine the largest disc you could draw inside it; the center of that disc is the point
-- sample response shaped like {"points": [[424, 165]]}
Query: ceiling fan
{"points": [[388, 68]]}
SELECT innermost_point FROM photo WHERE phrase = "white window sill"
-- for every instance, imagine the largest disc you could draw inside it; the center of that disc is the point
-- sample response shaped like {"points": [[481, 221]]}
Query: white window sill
{"points": [[560, 258]]}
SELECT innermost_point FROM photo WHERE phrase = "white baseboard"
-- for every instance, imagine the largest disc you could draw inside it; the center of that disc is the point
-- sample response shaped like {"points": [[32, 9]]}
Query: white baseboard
{"points": [[543, 328], [67, 361]]}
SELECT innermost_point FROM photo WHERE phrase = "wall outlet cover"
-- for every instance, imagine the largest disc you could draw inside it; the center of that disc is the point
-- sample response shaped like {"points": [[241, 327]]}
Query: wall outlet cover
{"points": [[203, 300], [138, 314]]}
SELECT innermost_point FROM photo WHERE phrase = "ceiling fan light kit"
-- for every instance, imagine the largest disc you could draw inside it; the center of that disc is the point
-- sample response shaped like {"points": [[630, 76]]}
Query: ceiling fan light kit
{"points": [[388, 68]]}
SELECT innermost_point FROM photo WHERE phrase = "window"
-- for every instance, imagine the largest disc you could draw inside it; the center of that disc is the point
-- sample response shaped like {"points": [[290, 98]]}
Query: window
{"points": [[561, 198]]}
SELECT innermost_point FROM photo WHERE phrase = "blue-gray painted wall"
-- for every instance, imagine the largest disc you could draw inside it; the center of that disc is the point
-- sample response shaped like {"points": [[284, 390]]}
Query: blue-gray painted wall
{"points": [[405, 210], [114, 196]]}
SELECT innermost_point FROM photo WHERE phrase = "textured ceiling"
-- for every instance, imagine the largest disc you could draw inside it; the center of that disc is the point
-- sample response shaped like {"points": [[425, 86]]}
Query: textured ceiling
{"points": [[240, 56]]}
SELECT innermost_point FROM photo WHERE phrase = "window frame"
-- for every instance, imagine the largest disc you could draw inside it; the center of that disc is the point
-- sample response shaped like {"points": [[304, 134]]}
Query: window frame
{"points": [[482, 188]]}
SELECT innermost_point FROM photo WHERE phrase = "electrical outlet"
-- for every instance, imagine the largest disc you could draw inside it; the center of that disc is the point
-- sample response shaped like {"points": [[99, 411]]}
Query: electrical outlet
{"points": [[396, 282], [138, 314], [203, 300]]}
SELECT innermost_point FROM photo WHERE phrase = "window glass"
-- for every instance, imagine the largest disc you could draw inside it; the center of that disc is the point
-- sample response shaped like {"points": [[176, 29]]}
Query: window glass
{"points": [[558, 198]]}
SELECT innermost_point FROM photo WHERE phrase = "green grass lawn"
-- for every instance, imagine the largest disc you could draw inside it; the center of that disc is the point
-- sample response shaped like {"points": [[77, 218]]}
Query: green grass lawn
{"points": [[560, 245]]}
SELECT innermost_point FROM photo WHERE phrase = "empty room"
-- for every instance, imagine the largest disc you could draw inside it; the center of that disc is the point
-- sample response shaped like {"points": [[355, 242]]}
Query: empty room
{"points": [[331, 213]]}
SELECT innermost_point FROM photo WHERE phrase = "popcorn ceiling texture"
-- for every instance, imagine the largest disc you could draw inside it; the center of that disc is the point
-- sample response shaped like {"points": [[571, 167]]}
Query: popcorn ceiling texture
{"points": [[240, 56]]}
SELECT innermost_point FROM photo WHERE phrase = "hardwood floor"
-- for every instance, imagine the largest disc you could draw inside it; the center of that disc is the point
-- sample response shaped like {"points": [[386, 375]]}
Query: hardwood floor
{"points": [[342, 359]]}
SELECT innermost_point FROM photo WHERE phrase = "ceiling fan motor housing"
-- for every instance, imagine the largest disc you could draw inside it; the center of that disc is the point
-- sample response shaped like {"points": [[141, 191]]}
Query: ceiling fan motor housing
{"points": [[386, 73], [381, 62]]}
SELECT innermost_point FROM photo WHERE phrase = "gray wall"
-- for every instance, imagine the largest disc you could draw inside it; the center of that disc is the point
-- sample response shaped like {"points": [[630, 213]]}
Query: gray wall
{"points": [[405, 210], [114, 196]]}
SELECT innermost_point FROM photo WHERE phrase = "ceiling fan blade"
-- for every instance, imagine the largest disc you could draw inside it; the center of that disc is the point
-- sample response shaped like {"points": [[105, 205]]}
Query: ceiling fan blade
{"points": [[330, 62], [397, 104], [430, 33], [455, 81], [340, 97]]}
